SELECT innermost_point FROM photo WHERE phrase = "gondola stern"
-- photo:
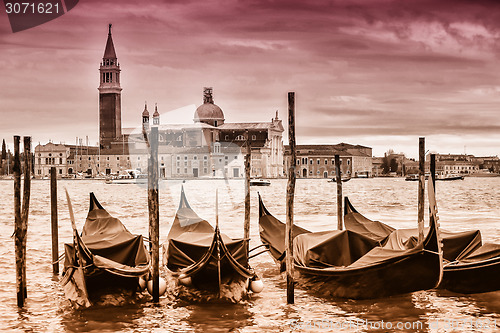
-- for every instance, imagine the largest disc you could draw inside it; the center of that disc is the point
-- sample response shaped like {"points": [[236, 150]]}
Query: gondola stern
{"points": [[94, 203], [183, 201], [262, 208], [348, 207]]}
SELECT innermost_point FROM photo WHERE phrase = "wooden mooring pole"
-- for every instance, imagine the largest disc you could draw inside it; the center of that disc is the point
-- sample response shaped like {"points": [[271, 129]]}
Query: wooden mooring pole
{"points": [[433, 171], [246, 227], [154, 212], [421, 188], [21, 212], [53, 219], [338, 177], [18, 224], [290, 192]]}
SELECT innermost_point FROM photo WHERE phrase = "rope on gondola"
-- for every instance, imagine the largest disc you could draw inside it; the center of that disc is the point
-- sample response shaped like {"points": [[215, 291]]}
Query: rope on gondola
{"points": [[262, 245], [255, 255], [61, 257]]}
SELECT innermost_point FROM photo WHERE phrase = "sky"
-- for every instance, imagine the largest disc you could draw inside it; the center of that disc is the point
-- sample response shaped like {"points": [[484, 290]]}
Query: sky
{"points": [[378, 73]]}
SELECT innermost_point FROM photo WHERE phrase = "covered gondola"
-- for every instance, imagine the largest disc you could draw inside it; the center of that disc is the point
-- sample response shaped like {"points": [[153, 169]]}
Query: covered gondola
{"points": [[104, 259], [348, 264], [469, 265], [201, 257]]}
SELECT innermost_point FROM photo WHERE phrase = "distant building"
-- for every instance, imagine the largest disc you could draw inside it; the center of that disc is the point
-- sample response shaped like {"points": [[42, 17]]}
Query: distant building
{"points": [[318, 161], [455, 164], [493, 164]]}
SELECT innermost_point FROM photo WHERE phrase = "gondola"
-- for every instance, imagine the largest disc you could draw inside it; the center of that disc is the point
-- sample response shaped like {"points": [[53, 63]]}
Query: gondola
{"points": [[348, 264], [469, 265], [334, 180], [104, 259], [201, 257]]}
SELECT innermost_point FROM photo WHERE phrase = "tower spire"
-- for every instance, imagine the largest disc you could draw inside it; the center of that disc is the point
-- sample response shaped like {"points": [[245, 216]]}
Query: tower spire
{"points": [[109, 52], [156, 116], [109, 95]]}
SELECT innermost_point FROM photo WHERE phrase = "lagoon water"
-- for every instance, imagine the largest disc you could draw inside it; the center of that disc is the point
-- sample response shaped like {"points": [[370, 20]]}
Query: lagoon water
{"points": [[473, 203]]}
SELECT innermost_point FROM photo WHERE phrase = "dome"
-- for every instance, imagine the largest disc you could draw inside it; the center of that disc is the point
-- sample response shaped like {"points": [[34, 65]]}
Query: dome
{"points": [[145, 113], [207, 112]]}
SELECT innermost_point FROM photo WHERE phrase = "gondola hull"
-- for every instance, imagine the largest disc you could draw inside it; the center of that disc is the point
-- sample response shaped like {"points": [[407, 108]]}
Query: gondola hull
{"points": [[472, 267], [472, 278], [203, 258], [219, 264], [405, 275], [350, 265], [105, 259]]}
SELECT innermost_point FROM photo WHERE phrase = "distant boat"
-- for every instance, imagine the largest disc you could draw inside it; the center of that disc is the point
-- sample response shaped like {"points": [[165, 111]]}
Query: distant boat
{"points": [[259, 182], [415, 177], [450, 177], [334, 180], [128, 177]]}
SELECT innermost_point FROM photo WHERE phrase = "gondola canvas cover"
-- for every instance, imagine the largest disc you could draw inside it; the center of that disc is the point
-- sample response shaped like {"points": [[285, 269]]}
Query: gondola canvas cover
{"points": [[331, 248], [190, 237], [455, 244], [109, 245]]}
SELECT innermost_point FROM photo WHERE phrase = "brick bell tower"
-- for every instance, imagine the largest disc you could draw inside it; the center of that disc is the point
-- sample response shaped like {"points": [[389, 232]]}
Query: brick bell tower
{"points": [[110, 124]]}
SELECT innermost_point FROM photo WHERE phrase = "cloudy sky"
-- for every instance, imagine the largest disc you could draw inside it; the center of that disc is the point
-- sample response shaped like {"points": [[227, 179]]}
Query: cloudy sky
{"points": [[378, 73]]}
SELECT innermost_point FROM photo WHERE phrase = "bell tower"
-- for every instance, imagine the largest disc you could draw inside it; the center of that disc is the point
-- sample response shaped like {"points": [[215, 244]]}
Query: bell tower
{"points": [[110, 124]]}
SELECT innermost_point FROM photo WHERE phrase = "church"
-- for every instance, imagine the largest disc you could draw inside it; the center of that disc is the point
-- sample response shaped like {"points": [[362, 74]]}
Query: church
{"points": [[209, 147]]}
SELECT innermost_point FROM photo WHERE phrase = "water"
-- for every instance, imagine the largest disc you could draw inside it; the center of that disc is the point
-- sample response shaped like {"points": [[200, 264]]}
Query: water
{"points": [[472, 203]]}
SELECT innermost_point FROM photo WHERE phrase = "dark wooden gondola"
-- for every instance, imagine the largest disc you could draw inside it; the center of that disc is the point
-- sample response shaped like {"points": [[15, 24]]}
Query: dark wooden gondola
{"points": [[201, 256], [104, 259], [350, 265], [334, 180], [469, 266]]}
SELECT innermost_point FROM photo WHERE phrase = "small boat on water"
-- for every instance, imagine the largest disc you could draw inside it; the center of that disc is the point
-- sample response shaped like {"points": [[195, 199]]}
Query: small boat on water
{"points": [[348, 264], [469, 265], [201, 257], [450, 177], [259, 182], [334, 180], [131, 176], [104, 259], [411, 178]]}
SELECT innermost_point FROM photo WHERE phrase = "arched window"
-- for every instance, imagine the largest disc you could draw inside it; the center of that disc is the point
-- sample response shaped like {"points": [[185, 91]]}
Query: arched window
{"points": [[240, 138]]}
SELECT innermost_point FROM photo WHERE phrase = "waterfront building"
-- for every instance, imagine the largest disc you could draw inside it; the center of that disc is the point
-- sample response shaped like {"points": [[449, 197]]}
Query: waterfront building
{"points": [[463, 164], [318, 161]]}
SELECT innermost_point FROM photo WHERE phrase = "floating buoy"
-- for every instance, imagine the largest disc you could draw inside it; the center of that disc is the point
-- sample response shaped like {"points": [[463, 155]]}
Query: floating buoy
{"points": [[142, 283], [162, 289], [185, 280], [256, 284]]}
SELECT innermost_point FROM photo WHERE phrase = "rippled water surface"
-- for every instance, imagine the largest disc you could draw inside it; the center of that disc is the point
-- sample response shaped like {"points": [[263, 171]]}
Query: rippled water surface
{"points": [[463, 205]]}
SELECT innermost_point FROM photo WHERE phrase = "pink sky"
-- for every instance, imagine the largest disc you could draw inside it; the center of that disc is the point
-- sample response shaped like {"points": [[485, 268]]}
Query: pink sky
{"points": [[378, 73]]}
